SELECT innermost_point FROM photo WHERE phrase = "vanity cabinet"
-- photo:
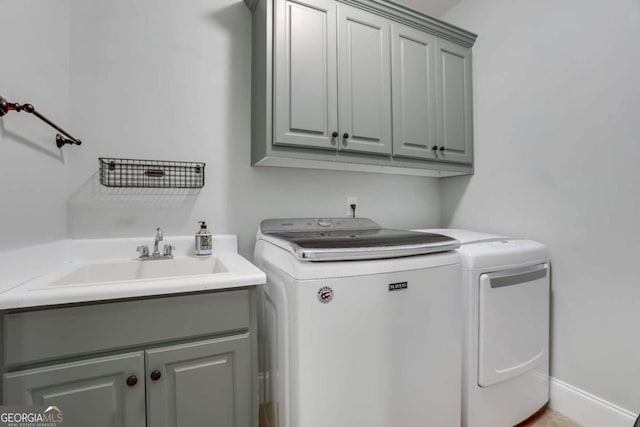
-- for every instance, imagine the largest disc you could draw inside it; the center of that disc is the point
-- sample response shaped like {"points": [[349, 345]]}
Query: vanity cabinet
{"points": [[91, 392], [360, 85], [205, 383], [178, 361]]}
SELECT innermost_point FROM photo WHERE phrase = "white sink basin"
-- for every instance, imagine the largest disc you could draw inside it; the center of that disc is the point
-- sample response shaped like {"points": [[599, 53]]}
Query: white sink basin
{"points": [[92, 270], [126, 271]]}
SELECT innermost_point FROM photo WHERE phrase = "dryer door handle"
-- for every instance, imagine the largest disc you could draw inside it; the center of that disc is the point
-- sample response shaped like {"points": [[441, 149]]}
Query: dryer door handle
{"points": [[518, 276]]}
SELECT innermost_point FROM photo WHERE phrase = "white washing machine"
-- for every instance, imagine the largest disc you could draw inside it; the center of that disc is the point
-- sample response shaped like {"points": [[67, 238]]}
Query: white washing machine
{"points": [[506, 328], [361, 325]]}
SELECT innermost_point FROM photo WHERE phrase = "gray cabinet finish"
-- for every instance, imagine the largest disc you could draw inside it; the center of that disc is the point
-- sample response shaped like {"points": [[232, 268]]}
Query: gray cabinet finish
{"points": [[364, 81], [91, 328], [89, 392], [80, 357], [206, 383], [454, 115], [323, 67], [414, 94], [432, 111], [305, 71]]}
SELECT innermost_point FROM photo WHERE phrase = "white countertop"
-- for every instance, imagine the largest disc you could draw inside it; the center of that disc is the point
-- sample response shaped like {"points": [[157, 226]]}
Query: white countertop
{"points": [[27, 275]]}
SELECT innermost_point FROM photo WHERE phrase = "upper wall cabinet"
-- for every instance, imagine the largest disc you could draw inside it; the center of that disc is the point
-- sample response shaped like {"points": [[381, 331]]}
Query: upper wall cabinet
{"points": [[360, 85], [454, 122], [414, 93], [319, 104], [306, 83], [364, 81]]}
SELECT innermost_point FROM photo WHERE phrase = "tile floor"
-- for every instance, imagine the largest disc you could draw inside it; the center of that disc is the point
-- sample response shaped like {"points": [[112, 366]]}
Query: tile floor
{"points": [[544, 418], [548, 418]]}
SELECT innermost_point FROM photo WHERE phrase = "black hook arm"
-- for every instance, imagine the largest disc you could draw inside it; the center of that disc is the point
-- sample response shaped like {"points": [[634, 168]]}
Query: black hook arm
{"points": [[5, 107]]}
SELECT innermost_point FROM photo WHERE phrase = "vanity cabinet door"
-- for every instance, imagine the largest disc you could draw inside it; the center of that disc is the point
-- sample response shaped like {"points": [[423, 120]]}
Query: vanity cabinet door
{"points": [[414, 94], [305, 95], [454, 104], [205, 384], [364, 81], [97, 392]]}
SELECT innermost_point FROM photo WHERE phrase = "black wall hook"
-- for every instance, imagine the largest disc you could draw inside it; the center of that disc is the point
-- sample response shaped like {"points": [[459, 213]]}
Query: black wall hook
{"points": [[61, 140]]}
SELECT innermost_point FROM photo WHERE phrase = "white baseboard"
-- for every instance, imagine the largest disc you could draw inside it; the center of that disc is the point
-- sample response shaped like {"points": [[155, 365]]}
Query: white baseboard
{"points": [[586, 409]]}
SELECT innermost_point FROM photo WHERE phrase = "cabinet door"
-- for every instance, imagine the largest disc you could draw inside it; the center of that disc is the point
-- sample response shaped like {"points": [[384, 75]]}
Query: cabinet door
{"points": [[207, 383], [364, 81], [454, 108], [305, 74], [89, 393], [413, 75]]}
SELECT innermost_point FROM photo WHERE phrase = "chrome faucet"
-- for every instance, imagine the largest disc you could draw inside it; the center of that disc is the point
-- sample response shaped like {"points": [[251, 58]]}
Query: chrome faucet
{"points": [[166, 249], [159, 238]]}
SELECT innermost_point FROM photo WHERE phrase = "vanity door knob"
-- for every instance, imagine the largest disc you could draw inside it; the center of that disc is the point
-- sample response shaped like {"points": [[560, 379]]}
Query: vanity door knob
{"points": [[132, 380], [346, 135], [155, 375], [434, 148], [334, 134], [442, 148]]}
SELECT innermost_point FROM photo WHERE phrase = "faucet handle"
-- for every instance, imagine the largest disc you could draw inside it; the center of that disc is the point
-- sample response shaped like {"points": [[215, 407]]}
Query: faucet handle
{"points": [[143, 250], [167, 249]]}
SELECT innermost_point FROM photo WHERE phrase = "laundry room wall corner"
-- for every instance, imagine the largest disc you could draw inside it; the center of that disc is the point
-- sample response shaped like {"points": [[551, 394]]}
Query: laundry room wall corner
{"points": [[556, 161]]}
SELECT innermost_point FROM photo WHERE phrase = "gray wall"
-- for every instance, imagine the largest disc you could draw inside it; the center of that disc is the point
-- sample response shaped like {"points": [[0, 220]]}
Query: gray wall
{"points": [[557, 123], [33, 173], [171, 80]]}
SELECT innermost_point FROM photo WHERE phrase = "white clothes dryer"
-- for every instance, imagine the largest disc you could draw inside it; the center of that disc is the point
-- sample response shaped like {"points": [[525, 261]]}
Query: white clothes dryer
{"points": [[361, 325], [506, 292]]}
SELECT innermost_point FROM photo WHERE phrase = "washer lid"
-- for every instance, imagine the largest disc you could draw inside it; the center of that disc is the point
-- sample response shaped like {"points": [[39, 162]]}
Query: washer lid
{"points": [[342, 239], [465, 237]]}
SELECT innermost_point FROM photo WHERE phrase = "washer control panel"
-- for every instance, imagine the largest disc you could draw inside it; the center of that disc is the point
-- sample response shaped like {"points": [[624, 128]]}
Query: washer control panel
{"points": [[298, 225]]}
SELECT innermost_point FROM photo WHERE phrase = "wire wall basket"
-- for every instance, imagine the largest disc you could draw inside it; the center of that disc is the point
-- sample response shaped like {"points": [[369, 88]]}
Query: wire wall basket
{"points": [[136, 173]]}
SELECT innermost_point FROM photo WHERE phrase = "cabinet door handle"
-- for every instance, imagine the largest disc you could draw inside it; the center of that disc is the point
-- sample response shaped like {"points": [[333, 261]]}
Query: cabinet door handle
{"points": [[132, 380], [346, 135], [434, 148], [334, 134], [442, 148], [155, 375]]}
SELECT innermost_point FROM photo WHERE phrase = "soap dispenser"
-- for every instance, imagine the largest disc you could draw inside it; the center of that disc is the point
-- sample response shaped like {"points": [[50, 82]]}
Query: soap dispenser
{"points": [[204, 240]]}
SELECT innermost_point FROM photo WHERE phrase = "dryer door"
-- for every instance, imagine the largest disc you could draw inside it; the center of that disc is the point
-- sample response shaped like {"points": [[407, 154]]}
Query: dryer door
{"points": [[513, 323]]}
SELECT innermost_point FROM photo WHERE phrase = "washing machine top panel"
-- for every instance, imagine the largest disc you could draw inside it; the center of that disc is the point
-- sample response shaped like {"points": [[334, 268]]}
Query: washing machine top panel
{"points": [[342, 239]]}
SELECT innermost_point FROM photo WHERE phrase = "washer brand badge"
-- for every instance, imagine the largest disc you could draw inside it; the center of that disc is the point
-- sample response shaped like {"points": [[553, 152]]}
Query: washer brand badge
{"points": [[325, 294], [398, 286]]}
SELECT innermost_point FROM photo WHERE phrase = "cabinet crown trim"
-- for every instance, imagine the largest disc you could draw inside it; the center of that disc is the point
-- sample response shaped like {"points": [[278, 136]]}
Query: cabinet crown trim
{"points": [[413, 18], [400, 13]]}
